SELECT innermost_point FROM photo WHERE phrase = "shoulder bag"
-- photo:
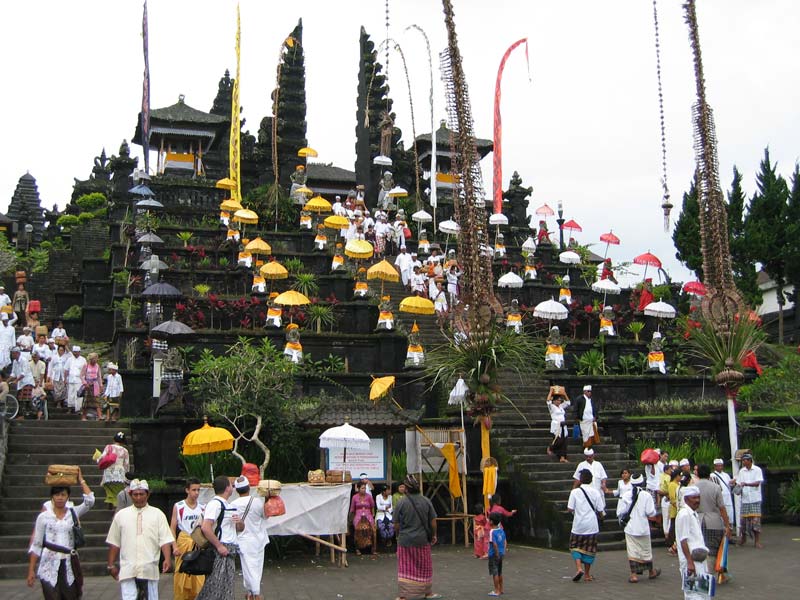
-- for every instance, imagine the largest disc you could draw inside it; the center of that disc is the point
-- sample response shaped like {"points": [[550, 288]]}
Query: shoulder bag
{"points": [[601, 516], [425, 524], [625, 518], [78, 537], [197, 533], [200, 560]]}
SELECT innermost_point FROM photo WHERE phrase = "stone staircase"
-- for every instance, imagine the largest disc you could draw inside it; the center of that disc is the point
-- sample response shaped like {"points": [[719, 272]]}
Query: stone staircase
{"points": [[429, 331], [524, 434], [32, 446]]}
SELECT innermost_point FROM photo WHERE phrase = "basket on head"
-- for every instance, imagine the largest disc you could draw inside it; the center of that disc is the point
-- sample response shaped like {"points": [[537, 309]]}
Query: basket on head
{"points": [[489, 461], [269, 487]]}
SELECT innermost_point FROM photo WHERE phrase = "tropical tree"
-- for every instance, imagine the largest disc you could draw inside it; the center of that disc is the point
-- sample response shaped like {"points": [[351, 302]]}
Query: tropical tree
{"points": [[254, 401], [744, 272], [686, 235], [766, 229], [793, 240]]}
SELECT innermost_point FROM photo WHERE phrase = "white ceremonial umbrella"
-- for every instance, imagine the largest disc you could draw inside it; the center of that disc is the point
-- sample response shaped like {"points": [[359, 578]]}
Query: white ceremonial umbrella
{"points": [[550, 309], [510, 280], [660, 309], [529, 245], [569, 257], [449, 227], [382, 160], [344, 436], [606, 286], [458, 395], [498, 219], [422, 216]]}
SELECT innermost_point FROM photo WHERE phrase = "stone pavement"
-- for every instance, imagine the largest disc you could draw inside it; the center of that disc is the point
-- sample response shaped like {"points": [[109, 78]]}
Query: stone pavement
{"points": [[529, 573]]}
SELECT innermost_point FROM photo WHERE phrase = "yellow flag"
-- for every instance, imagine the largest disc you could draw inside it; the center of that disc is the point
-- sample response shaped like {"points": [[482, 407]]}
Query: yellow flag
{"points": [[234, 145]]}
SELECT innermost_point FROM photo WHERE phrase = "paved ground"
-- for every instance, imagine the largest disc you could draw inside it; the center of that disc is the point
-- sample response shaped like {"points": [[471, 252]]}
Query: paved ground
{"points": [[529, 573]]}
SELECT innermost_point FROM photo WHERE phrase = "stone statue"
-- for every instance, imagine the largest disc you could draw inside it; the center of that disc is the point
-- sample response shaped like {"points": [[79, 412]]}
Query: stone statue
{"points": [[543, 237], [385, 314], [500, 246], [386, 185], [361, 289], [423, 245], [274, 312], [530, 268], [305, 220], [293, 350], [337, 262], [517, 197], [554, 355], [655, 356], [607, 321], [415, 355], [514, 317], [387, 129], [298, 179], [565, 294], [321, 240]]}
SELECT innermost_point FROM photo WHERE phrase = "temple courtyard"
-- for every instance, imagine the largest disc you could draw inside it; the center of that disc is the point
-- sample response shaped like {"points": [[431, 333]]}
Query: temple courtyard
{"points": [[529, 573]]}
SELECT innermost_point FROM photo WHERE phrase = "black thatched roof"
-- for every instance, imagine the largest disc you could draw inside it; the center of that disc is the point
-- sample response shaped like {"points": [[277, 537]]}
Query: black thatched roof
{"points": [[327, 172], [360, 413]]}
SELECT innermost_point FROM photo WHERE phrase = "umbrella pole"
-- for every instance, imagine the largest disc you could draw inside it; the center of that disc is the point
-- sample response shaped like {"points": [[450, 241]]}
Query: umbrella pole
{"points": [[605, 254], [645, 273]]}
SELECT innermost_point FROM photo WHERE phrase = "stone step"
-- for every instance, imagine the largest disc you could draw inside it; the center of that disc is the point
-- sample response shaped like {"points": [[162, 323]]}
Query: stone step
{"points": [[24, 528], [545, 461], [53, 446], [83, 460], [15, 548], [16, 515], [21, 486], [34, 503]]}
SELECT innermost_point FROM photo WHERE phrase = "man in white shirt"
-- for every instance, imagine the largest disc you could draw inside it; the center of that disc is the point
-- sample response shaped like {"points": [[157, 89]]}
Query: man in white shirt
{"points": [[21, 375], [689, 536], [135, 536], [5, 299], [42, 349], [403, 263], [634, 509], [599, 475], [253, 538], [750, 479], [723, 480], [584, 503], [221, 533], [72, 372]]}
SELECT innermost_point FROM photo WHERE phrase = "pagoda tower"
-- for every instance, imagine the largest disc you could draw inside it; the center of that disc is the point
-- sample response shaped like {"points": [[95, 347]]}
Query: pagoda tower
{"points": [[25, 208]]}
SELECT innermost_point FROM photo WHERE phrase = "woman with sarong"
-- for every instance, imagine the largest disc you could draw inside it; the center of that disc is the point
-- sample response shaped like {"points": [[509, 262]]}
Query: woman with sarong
{"points": [[114, 480], [362, 516], [92, 386], [557, 403], [384, 515], [480, 541], [56, 376], [415, 524], [635, 508], [186, 516]]}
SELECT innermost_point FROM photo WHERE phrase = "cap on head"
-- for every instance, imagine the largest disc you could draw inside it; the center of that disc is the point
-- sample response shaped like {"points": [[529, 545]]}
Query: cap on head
{"points": [[241, 483], [747, 456], [691, 490], [674, 463], [587, 388], [588, 452], [637, 480], [684, 462], [119, 437], [139, 484], [112, 367], [719, 461], [76, 348]]}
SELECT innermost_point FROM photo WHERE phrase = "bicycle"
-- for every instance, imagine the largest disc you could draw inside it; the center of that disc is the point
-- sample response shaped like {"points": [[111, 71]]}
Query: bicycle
{"points": [[9, 407]]}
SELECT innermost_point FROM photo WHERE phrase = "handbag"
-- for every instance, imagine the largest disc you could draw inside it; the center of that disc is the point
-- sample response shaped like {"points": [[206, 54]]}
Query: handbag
{"points": [[601, 516], [78, 538], [81, 391], [60, 475], [407, 233], [199, 561], [108, 459], [197, 535]]}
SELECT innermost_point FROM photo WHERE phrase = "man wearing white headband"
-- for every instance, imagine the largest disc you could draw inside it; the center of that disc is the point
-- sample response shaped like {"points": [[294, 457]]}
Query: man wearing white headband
{"points": [[691, 545], [254, 537], [597, 470], [586, 412], [8, 338], [72, 371], [749, 480], [634, 510], [723, 480], [135, 537]]}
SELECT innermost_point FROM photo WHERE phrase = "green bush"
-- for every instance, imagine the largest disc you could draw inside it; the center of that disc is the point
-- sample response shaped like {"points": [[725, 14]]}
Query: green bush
{"points": [[85, 217], [40, 259], [791, 497], [591, 362], [629, 365], [73, 312], [777, 387], [91, 202], [675, 405], [67, 222], [775, 452]]}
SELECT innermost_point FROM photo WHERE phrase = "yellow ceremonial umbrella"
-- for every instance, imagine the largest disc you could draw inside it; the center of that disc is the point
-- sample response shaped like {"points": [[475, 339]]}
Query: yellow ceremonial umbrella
{"points": [[380, 386], [318, 204], [336, 222], [231, 205], [258, 246], [245, 215], [359, 249], [383, 271], [274, 270], [207, 439], [304, 190], [306, 152], [417, 305], [291, 298], [226, 184]]}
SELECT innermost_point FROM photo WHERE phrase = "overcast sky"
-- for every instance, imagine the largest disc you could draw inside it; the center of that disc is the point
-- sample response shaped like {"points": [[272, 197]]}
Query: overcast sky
{"points": [[584, 130]]}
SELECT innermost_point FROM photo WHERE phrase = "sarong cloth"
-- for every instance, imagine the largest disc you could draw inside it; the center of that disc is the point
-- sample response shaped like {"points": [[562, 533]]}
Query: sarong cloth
{"points": [[414, 571], [185, 587], [219, 585], [751, 518], [640, 553], [583, 547]]}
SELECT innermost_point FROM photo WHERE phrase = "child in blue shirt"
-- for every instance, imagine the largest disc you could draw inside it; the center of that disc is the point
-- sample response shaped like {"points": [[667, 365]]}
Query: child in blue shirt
{"points": [[497, 549]]}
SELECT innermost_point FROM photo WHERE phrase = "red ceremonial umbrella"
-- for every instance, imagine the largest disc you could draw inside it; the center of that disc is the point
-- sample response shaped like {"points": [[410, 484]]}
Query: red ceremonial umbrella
{"points": [[609, 238], [648, 260], [571, 226], [545, 211], [694, 287]]}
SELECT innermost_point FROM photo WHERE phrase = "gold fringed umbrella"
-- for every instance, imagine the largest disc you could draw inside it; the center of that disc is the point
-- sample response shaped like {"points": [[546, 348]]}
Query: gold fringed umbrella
{"points": [[417, 305], [226, 184], [318, 204], [231, 205], [245, 215], [360, 249], [291, 298], [274, 270], [380, 386], [336, 222], [383, 271], [307, 152], [258, 246], [207, 439], [304, 190]]}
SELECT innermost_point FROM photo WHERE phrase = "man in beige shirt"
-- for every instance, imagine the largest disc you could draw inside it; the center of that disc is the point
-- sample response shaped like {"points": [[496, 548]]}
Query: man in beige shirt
{"points": [[136, 534]]}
